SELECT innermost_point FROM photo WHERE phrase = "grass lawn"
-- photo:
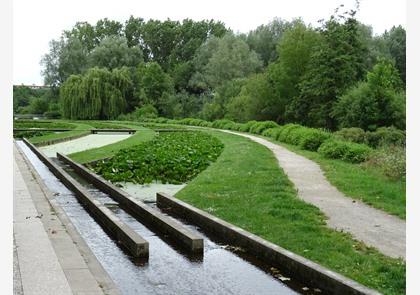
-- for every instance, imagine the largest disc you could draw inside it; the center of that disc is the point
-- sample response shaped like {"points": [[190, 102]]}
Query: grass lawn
{"points": [[362, 183], [246, 187], [107, 151], [79, 129]]}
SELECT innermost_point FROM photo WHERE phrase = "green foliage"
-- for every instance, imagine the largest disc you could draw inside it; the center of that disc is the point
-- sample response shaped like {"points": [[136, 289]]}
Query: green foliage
{"points": [[154, 86], [309, 138], [42, 124], [221, 123], [336, 64], [146, 111], [172, 157], [256, 100], [223, 59], [353, 134], [264, 39], [259, 127], [247, 126], [294, 54], [29, 134], [385, 136], [377, 102], [38, 105], [390, 160], [98, 94], [113, 52], [347, 151]]}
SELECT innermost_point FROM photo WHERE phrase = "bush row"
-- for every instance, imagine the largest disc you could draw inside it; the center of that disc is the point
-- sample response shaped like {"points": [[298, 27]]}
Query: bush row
{"points": [[383, 136], [348, 144]]}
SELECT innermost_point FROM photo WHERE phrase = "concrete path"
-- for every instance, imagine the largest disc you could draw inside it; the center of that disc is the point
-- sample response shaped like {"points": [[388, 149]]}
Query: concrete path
{"points": [[372, 226], [46, 258]]}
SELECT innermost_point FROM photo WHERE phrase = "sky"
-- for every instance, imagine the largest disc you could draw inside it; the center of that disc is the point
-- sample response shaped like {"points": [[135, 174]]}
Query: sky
{"points": [[35, 23]]}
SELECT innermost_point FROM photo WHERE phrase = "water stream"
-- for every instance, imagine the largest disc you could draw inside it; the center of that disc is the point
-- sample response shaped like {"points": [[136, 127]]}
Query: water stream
{"points": [[168, 270]]}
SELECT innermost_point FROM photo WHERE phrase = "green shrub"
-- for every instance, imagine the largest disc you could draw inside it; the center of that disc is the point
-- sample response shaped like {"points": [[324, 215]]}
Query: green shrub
{"points": [[247, 126], [221, 123], [283, 135], [53, 114], [237, 126], [146, 111], [390, 160], [269, 132], [385, 136], [344, 150], [259, 127], [353, 134], [310, 138]]}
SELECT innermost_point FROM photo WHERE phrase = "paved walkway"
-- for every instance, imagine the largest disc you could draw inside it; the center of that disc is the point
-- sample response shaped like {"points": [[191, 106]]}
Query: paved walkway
{"points": [[372, 226], [46, 258]]}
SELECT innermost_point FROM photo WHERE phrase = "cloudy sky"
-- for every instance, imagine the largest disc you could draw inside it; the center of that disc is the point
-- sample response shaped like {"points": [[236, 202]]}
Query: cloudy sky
{"points": [[35, 23]]}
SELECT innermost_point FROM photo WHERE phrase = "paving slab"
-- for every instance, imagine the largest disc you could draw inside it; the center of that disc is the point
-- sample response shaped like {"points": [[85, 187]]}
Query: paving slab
{"points": [[374, 227], [51, 256]]}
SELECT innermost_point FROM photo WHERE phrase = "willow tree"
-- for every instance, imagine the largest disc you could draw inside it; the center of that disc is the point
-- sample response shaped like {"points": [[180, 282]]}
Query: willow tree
{"points": [[98, 94]]}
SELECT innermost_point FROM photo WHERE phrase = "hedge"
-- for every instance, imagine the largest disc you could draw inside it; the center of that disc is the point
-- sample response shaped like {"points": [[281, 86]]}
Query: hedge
{"points": [[345, 150]]}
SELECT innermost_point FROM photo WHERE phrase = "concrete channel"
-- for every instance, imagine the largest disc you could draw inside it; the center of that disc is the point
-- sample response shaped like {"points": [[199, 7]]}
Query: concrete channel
{"points": [[232, 261], [220, 269], [141, 211], [137, 245]]}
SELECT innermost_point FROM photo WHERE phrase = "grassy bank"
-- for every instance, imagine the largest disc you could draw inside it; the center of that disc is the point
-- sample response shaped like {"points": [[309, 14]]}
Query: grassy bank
{"points": [[142, 135], [79, 130], [246, 187]]}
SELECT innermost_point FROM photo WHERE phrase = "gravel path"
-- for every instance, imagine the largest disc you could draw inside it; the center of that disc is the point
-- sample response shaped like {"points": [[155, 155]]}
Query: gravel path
{"points": [[372, 226]]}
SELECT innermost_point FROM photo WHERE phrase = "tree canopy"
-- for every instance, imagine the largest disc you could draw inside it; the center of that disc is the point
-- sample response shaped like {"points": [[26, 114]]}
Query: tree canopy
{"points": [[284, 71]]}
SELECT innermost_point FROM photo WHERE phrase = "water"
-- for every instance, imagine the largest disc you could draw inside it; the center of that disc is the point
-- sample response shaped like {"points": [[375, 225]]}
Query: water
{"points": [[147, 192], [168, 270], [83, 143]]}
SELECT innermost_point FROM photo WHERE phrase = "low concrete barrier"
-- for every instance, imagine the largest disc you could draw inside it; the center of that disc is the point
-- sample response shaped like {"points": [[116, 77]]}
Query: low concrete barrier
{"points": [[131, 240], [297, 266], [57, 140], [159, 222], [130, 131], [43, 129]]}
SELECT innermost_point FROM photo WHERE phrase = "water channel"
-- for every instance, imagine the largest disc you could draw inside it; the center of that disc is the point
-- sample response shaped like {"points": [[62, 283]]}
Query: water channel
{"points": [[168, 270]]}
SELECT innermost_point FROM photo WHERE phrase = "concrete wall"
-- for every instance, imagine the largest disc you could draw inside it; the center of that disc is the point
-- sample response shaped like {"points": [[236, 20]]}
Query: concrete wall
{"points": [[131, 240], [296, 266], [145, 214]]}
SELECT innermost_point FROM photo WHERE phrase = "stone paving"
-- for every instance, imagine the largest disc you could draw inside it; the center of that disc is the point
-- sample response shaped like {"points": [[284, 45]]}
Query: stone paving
{"points": [[46, 258], [372, 226]]}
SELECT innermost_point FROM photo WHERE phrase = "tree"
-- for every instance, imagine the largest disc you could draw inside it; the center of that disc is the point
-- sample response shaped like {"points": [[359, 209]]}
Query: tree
{"points": [[153, 84], [66, 57], [255, 101], [85, 33], [380, 101], [223, 59], [107, 28], [97, 94], [395, 41], [336, 64], [264, 39], [113, 52], [294, 54]]}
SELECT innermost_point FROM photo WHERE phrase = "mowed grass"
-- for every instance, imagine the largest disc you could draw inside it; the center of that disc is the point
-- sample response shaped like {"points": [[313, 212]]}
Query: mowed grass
{"points": [[80, 129], [246, 187], [141, 135], [359, 182]]}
